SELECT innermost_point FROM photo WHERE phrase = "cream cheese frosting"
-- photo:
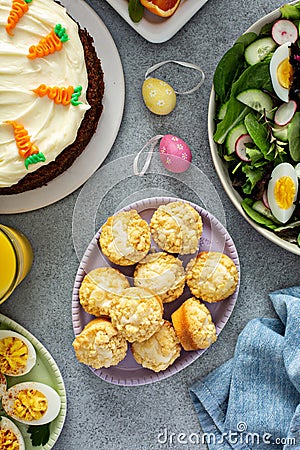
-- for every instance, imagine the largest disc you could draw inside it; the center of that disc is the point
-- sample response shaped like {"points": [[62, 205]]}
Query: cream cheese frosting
{"points": [[51, 127]]}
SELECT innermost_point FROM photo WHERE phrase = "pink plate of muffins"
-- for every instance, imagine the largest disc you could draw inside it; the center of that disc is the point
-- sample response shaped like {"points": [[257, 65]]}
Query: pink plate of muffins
{"points": [[134, 364]]}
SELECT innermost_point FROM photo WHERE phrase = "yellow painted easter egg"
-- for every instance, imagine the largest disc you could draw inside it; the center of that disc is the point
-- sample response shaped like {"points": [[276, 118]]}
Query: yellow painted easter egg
{"points": [[158, 96]]}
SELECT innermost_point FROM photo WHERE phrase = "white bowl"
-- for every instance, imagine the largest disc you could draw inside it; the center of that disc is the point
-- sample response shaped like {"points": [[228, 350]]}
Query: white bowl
{"points": [[221, 167]]}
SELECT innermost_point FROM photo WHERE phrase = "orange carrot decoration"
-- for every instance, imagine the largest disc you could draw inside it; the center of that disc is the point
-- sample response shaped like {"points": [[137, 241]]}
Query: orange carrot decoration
{"points": [[18, 9], [26, 148], [60, 95], [49, 44]]}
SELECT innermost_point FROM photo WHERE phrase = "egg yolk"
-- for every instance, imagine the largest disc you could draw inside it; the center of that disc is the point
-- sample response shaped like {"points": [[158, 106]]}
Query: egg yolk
{"points": [[8, 440], [285, 73], [30, 404], [13, 355], [284, 192]]}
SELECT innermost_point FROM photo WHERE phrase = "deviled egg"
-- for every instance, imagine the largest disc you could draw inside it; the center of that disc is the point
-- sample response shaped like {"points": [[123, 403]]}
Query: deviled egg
{"points": [[3, 385], [10, 435], [31, 403], [282, 191], [17, 354]]}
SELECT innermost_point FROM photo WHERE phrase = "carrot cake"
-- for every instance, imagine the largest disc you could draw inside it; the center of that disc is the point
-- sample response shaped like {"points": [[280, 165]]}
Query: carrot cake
{"points": [[51, 90]]}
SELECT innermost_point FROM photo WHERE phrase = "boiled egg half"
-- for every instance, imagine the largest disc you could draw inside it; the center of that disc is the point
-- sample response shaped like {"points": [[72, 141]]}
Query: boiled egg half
{"points": [[282, 191], [281, 71], [10, 435], [17, 354], [31, 403]]}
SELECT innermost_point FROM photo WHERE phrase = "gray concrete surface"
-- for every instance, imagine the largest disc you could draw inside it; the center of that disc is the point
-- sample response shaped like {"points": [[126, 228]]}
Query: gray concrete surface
{"points": [[102, 416]]}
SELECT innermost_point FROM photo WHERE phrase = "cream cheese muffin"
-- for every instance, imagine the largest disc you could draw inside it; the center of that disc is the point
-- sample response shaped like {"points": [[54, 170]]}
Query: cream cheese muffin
{"points": [[212, 276], [159, 351], [99, 288], [163, 274], [125, 238], [137, 314], [176, 228], [100, 344], [193, 325]]}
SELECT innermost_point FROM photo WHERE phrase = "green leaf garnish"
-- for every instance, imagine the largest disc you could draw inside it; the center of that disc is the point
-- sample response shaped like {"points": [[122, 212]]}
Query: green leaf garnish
{"points": [[135, 10], [39, 434], [253, 175], [290, 12]]}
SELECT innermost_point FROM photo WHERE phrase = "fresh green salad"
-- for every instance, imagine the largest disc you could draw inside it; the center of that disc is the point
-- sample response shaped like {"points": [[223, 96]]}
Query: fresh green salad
{"points": [[257, 88]]}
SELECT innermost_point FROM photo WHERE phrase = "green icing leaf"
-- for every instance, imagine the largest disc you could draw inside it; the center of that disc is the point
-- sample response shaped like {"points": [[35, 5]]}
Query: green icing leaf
{"points": [[75, 96], [33, 159], [61, 33]]}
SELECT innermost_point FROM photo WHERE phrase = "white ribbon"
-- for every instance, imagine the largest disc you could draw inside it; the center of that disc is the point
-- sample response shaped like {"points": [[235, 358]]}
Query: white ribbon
{"points": [[152, 142], [181, 63]]}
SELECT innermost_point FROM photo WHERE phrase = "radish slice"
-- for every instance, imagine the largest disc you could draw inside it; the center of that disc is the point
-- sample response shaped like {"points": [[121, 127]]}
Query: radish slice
{"points": [[285, 113], [284, 31], [265, 199], [240, 147]]}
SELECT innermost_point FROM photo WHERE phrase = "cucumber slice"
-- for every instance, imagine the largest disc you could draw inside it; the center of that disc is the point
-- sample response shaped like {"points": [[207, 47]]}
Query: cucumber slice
{"points": [[257, 100], [258, 50], [281, 133], [233, 136], [259, 207], [257, 217]]}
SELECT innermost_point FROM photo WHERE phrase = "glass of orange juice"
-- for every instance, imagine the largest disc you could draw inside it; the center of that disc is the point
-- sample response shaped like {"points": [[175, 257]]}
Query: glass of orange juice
{"points": [[15, 260]]}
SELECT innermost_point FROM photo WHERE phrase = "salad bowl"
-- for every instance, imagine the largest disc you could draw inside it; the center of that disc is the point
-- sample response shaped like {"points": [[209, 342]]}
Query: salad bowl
{"points": [[221, 166]]}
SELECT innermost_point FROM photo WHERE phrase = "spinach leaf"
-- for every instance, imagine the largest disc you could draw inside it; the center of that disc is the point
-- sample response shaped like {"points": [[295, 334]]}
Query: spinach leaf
{"points": [[294, 137], [247, 38], [266, 29], [135, 10], [235, 113], [254, 77], [228, 70], [258, 132]]}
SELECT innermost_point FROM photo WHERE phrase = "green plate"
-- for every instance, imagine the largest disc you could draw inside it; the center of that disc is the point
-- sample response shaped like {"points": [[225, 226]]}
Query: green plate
{"points": [[44, 371]]}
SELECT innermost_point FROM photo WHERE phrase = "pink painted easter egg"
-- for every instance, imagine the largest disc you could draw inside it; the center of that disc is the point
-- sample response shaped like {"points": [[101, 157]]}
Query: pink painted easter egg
{"points": [[175, 154]]}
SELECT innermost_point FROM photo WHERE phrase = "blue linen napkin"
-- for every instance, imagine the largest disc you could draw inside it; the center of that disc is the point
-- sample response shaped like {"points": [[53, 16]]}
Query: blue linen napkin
{"points": [[253, 400]]}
